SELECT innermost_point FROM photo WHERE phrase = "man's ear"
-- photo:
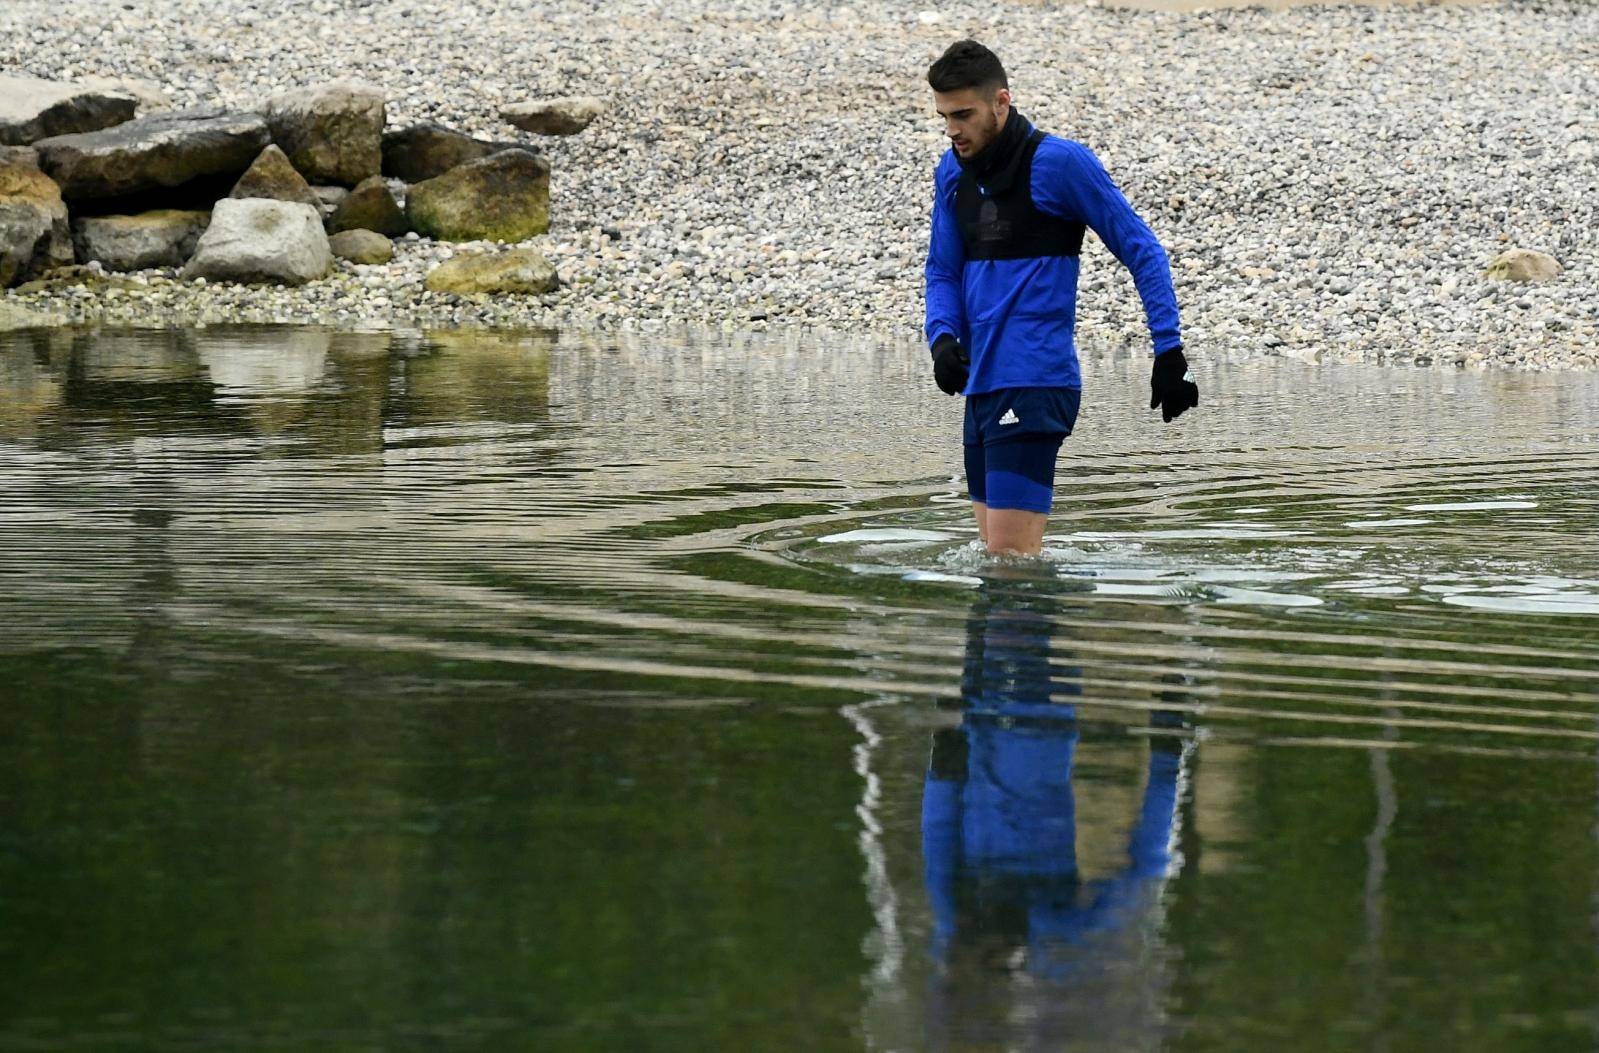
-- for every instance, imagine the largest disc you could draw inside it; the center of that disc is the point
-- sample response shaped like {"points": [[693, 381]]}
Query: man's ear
{"points": [[1002, 99]]}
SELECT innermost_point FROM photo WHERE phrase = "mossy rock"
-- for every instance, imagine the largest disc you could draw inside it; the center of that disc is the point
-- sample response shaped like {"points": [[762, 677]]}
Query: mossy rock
{"points": [[522, 271], [504, 197]]}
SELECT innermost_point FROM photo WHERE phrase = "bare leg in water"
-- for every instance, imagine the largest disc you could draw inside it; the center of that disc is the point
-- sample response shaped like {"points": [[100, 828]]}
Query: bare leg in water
{"points": [[1012, 531]]}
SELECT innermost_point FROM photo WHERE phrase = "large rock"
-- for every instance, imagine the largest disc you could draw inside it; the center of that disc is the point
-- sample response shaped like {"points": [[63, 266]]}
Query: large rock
{"points": [[255, 240], [427, 151], [333, 133], [166, 150], [1522, 265], [504, 197], [518, 271], [33, 109], [566, 116], [271, 176], [34, 235], [361, 246], [370, 206], [164, 238]]}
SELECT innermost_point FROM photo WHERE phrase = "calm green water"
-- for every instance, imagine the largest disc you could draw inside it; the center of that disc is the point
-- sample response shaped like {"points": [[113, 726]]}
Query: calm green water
{"points": [[449, 691]]}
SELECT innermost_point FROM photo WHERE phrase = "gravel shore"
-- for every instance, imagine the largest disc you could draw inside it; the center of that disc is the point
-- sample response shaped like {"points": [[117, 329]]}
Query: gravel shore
{"points": [[1328, 180]]}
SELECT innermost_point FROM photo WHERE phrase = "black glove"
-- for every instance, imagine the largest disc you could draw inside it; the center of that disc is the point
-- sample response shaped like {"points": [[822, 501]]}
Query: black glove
{"points": [[1171, 386], [950, 362]]}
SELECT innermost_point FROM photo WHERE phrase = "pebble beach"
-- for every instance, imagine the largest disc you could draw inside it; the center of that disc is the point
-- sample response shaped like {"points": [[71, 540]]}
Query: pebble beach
{"points": [[1329, 181]]}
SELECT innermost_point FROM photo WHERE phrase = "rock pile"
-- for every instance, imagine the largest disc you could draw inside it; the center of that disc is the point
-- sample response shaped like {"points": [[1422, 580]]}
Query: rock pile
{"points": [[1329, 180], [250, 197]]}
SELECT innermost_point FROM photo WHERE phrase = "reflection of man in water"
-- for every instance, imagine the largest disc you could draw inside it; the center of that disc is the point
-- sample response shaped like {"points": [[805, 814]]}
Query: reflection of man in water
{"points": [[1023, 942], [1010, 207]]}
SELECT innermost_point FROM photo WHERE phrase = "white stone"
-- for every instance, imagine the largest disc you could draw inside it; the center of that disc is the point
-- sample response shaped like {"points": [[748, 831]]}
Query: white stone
{"points": [[254, 240]]}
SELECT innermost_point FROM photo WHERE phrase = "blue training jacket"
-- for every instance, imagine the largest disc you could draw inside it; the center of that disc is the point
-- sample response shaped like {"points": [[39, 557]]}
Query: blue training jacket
{"points": [[1016, 317]]}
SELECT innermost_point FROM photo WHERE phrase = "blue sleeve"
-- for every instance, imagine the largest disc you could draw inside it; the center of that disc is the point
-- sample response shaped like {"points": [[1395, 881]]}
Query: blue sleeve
{"points": [[1149, 847], [946, 261], [1069, 181], [1149, 850]]}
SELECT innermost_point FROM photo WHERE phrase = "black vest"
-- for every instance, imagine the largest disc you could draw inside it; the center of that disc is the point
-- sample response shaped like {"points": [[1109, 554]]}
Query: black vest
{"points": [[1009, 226]]}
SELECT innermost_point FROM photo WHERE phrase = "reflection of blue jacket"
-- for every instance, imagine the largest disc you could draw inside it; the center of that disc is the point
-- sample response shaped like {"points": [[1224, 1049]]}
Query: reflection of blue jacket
{"points": [[1017, 317], [998, 814], [1009, 821]]}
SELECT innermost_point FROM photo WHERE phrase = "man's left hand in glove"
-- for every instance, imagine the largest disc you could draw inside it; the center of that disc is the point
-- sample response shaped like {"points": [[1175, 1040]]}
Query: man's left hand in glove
{"points": [[1171, 385]]}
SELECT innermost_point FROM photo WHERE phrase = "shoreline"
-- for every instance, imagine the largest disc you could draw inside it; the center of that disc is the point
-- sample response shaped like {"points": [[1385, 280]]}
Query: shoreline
{"points": [[1328, 181], [472, 316]]}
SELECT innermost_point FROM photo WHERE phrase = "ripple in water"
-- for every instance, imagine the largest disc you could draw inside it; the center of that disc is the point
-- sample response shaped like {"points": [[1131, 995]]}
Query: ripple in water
{"points": [[558, 637]]}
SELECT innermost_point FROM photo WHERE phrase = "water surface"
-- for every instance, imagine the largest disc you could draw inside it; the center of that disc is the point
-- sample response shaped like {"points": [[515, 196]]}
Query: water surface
{"points": [[392, 690]]}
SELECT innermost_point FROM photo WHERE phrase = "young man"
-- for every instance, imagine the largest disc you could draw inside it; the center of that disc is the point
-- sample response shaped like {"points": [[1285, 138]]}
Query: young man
{"points": [[1010, 207]]}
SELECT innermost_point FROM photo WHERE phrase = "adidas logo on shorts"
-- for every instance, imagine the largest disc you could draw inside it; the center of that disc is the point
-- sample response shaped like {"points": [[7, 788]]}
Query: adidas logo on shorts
{"points": [[1010, 417]]}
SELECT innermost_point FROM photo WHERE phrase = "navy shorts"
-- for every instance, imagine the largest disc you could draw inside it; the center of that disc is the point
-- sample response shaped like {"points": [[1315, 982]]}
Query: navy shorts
{"points": [[1012, 437]]}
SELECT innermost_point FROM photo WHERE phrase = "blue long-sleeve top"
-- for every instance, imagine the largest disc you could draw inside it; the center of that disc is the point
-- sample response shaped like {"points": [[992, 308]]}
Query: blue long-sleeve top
{"points": [[1013, 812], [1016, 317]]}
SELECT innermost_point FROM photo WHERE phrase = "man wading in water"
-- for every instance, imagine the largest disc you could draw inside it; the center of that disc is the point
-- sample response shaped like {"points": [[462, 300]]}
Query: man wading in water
{"points": [[1009, 209]]}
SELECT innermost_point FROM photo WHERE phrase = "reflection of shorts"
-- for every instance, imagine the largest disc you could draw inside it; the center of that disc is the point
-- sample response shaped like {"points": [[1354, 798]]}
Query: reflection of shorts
{"points": [[1012, 437]]}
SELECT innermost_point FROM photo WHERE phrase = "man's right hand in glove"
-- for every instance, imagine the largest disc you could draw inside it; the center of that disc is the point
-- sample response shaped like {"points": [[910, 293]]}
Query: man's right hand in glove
{"points": [[950, 364]]}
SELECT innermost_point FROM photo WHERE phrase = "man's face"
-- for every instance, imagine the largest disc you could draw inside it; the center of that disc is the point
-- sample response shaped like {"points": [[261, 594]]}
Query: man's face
{"points": [[972, 117]]}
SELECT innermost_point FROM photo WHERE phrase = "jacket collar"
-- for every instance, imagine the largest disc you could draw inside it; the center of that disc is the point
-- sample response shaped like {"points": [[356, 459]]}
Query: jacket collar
{"points": [[999, 163]]}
